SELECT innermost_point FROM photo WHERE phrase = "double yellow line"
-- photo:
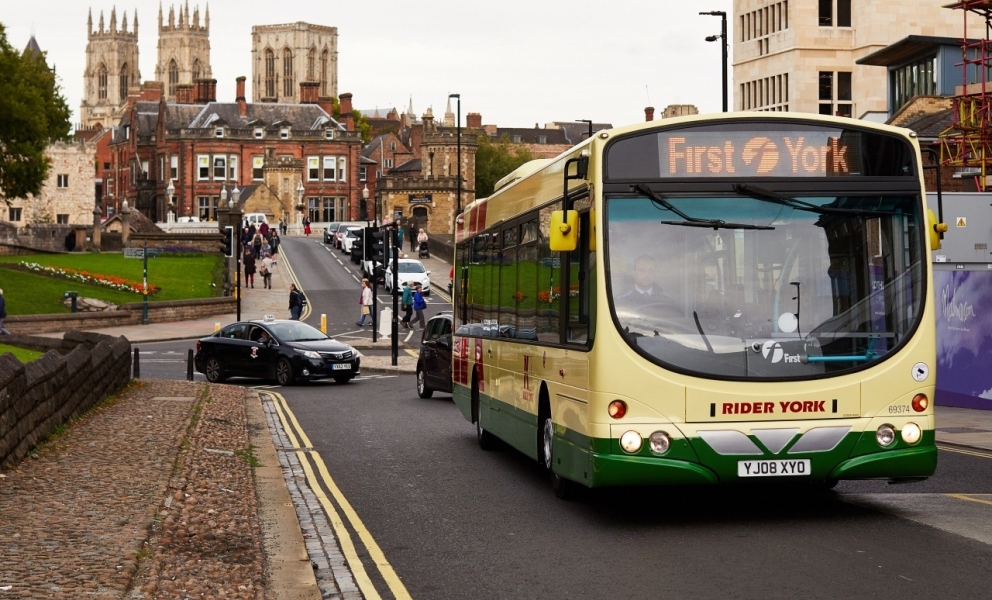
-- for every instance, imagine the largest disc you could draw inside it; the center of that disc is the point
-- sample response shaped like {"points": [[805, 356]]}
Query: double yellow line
{"points": [[296, 437], [969, 452]]}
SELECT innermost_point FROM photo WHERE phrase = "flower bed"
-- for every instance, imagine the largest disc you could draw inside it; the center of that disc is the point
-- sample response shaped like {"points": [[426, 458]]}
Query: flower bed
{"points": [[117, 283]]}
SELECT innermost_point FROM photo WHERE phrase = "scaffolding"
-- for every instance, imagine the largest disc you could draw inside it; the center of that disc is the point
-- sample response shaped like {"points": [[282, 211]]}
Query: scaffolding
{"points": [[967, 143]]}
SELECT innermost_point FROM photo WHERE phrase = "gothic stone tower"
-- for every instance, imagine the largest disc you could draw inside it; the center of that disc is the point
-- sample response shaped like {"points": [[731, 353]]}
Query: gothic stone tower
{"points": [[283, 56], [111, 67], [183, 49]]}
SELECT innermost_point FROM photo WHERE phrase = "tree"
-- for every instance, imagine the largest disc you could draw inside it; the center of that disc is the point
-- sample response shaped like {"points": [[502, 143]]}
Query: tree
{"points": [[33, 114], [362, 125], [495, 160]]}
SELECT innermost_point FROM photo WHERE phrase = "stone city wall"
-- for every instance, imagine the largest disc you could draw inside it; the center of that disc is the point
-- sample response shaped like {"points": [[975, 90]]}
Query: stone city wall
{"points": [[126, 314]]}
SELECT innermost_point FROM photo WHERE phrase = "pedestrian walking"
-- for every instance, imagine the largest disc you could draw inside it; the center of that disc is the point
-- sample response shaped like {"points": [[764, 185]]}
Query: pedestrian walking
{"points": [[306, 226], [264, 229], [256, 245], [407, 302], [266, 249], [412, 234], [3, 314], [296, 300], [282, 226], [399, 238], [249, 260], [266, 271], [365, 300], [419, 304]]}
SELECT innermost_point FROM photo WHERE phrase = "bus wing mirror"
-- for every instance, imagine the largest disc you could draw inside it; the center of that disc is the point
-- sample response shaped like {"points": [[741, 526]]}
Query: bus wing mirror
{"points": [[934, 229], [564, 230]]}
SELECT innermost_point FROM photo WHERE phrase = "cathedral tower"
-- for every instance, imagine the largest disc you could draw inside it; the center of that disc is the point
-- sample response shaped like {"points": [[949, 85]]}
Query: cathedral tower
{"points": [[111, 67], [283, 56], [183, 48]]}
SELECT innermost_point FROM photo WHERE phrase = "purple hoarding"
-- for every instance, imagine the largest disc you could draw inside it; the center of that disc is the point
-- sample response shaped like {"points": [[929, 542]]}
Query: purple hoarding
{"points": [[964, 338]]}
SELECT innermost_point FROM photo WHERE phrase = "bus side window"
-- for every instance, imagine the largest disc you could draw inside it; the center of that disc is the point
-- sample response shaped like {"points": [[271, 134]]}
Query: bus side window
{"points": [[580, 280]]}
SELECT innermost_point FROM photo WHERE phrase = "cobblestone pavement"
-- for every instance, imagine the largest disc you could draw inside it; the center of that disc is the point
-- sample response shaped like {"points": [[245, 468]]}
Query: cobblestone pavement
{"points": [[150, 495]]}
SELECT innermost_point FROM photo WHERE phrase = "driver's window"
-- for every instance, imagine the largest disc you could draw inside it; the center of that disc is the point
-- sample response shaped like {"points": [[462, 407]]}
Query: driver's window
{"points": [[233, 332], [257, 334]]}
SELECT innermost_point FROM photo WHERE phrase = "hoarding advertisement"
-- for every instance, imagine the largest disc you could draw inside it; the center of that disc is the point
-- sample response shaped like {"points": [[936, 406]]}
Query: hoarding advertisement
{"points": [[964, 338]]}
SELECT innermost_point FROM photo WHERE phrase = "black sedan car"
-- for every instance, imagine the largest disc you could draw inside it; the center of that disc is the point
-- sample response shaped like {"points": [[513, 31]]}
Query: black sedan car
{"points": [[286, 351], [434, 364]]}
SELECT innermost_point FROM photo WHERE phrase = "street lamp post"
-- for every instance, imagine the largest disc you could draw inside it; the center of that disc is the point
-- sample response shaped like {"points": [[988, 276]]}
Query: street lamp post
{"points": [[169, 192], [299, 201], [723, 37], [458, 131], [588, 123], [235, 219]]}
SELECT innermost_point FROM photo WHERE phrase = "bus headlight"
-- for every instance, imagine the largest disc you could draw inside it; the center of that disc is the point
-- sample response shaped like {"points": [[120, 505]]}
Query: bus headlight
{"points": [[911, 433], [631, 441], [885, 435], [659, 442]]}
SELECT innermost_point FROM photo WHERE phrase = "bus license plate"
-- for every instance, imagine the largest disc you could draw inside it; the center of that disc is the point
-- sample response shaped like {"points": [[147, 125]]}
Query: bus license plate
{"points": [[341, 367], [773, 468]]}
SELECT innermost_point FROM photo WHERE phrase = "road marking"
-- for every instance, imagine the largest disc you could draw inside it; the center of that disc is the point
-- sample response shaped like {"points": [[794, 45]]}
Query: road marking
{"points": [[970, 499], [413, 353], [392, 580], [965, 451], [409, 335], [346, 269], [356, 279]]}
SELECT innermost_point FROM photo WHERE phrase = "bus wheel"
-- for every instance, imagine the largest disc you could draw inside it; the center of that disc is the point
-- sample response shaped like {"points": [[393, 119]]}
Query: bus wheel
{"points": [[565, 489], [487, 441]]}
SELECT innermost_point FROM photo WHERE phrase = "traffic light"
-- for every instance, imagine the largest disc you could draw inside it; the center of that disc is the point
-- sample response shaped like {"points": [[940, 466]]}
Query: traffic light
{"points": [[380, 246], [227, 244], [367, 238]]}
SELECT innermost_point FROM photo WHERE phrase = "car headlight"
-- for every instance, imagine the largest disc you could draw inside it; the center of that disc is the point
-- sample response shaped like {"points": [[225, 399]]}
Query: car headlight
{"points": [[309, 354]]}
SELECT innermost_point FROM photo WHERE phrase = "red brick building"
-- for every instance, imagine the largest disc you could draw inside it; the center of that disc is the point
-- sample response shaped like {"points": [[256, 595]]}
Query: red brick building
{"points": [[270, 151]]}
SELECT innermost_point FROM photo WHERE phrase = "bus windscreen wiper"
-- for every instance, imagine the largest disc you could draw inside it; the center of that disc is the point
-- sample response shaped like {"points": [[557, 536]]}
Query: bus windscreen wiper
{"points": [[760, 193], [692, 221]]}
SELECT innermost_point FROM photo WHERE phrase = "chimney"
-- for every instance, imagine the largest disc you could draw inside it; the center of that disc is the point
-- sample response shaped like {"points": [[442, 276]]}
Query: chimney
{"points": [[327, 103], [184, 93], [206, 90], [345, 100], [473, 120], [240, 97], [416, 139], [649, 113], [309, 92]]}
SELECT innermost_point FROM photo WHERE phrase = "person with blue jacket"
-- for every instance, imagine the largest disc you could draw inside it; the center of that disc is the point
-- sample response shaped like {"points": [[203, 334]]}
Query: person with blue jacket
{"points": [[407, 302], [419, 304]]}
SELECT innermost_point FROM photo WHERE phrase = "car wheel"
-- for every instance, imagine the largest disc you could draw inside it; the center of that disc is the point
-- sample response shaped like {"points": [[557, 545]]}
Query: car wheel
{"points": [[565, 489], [213, 371], [284, 372], [342, 378], [422, 390]]}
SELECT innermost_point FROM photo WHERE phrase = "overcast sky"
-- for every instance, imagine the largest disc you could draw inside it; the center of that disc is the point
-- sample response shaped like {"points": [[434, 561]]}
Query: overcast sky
{"points": [[517, 62]]}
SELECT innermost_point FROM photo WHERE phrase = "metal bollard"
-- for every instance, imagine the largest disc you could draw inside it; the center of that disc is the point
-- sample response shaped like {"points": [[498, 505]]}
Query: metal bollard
{"points": [[136, 365], [189, 365], [323, 323]]}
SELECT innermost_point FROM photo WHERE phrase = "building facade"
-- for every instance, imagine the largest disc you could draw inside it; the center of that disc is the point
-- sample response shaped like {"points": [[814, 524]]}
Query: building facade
{"points": [[111, 68], [67, 197], [183, 49], [801, 55], [283, 56], [288, 160]]}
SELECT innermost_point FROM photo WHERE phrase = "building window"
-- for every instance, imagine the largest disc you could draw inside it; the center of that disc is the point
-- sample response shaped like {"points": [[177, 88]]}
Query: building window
{"points": [[328, 213], [173, 167], [363, 173], [323, 73], [826, 13], [232, 168], [270, 73], [196, 69], [257, 162], [173, 78], [202, 167], [63, 181], [766, 94], [101, 83], [329, 134], [14, 214], [835, 94], [313, 168], [341, 169], [62, 219], [392, 145], [843, 13], [313, 209], [288, 84], [516, 139], [311, 64], [144, 169], [330, 168], [915, 79], [542, 139], [125, 81], [284, 133], [387, 163], [219, 132], [220, 167], [827, 17], [259, 133], [206, 208]]}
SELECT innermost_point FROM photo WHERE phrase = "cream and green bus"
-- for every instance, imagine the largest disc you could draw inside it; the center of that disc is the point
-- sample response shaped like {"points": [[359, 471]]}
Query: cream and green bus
{"points": [[705, 300]]}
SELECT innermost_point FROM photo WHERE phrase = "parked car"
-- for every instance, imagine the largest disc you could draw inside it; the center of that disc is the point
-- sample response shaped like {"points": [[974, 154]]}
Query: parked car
{"points": [[434, 364], [283, 350], [329, 232], [348, 238], [410, 269]]}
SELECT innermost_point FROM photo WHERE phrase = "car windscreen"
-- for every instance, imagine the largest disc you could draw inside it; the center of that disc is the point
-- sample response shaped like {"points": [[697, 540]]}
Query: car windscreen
{"points": [[296, 332], [411, 267]]}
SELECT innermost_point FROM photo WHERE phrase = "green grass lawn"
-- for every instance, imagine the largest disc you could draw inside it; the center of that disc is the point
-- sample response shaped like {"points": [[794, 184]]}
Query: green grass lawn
{"points": [[179, 278], [25, 356]]}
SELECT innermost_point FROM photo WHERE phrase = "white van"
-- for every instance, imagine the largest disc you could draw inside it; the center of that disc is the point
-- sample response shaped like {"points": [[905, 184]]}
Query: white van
{"points": [[255, 219]]}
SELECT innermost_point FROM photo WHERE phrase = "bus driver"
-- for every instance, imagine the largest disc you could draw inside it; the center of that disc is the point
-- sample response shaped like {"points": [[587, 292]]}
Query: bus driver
{"points": [[646, 293]]}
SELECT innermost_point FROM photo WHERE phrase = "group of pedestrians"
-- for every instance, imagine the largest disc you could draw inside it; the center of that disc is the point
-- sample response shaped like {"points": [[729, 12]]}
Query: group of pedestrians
{"points": [[261, 252], [412, 300]]}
